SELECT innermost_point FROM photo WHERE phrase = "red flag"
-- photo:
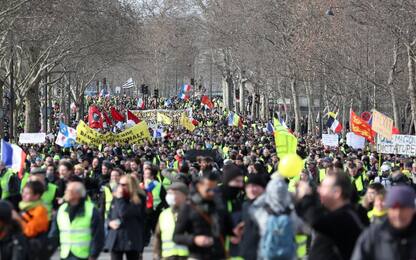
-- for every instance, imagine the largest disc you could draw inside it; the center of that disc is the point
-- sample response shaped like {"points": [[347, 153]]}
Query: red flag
{"points": [[107, 119], [94, 117], [116, 115], [395, 131], [361, 127], [132, 117], [207, 102], [194, 122]]}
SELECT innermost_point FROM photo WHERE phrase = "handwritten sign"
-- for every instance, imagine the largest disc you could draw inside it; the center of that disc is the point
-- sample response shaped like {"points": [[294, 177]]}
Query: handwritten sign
{"points": [[382, 125], [330, 140], [32, 138], [399, 144]]}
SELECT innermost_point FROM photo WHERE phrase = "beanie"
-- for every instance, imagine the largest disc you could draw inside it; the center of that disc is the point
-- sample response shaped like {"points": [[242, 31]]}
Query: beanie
{"points": [[257, 179], [230, 172]]}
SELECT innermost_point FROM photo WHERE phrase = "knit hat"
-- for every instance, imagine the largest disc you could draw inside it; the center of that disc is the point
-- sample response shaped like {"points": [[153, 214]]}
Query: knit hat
{"points": [[5, 211], [179, 186], [230, 172], [257, 179], [402, 196], [38, 170]]}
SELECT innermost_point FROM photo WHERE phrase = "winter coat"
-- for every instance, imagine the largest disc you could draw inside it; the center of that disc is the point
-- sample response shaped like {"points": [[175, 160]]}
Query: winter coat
{"points": [[382, 242], [335, 232], [249, 241], [14, 246], [191, 223], [129, 236]]}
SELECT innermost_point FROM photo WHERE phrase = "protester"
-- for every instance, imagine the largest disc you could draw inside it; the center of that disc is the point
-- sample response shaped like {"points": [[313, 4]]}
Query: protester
{"points": [[33, 217], [77, 228], [126, 220], [202, 224], [395, 237], [164, 247], [336, 224], [13, 244]]}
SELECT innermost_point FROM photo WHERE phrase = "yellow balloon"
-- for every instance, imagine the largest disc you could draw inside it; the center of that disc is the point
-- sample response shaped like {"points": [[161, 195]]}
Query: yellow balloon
{"points": [[290, 165]]}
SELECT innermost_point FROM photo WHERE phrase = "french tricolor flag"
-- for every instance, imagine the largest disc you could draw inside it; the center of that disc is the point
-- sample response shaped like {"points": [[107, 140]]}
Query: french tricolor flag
{"points": [[333, 123], [183, 96], [186, 88], [13, 157]]}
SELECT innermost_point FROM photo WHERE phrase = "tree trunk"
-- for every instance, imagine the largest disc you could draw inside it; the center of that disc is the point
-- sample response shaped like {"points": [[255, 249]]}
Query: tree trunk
{"points": [[2, 110], [295, 104], [253, 107], [242, 97], [411, 85], [390, 85], [224, 92], [32, 103], [309, 98]]}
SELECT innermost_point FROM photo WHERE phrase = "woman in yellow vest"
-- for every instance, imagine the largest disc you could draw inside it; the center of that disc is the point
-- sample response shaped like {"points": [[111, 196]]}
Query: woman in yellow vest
{"points": [[164, 247]]}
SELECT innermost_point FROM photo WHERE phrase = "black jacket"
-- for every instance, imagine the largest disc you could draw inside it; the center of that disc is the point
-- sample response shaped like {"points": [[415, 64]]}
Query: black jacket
{"points": [[191, 223], [129, 236], [336, 231], [251, 237], [382, 242], [14, 245]]}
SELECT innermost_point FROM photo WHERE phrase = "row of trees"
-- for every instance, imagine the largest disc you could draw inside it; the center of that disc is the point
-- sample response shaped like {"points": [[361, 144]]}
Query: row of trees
{"points": [[336, 55]]}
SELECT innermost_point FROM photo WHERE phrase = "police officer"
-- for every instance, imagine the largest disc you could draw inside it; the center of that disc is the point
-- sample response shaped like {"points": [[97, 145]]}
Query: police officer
{"points": [[77, 226], [164, 246]]}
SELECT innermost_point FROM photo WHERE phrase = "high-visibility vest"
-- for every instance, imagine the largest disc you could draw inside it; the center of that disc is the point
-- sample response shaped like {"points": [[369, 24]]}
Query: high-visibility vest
{"points": [[75, 237], [359, 184], [4, 183], [156, 195], [108, 199], [24, 181], [322, 173], [301, 242], [48, 196], [167, 228]]}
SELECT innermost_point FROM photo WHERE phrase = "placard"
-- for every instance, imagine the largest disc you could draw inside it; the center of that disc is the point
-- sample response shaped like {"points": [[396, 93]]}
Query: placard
{"points": [[330, 140], [355, 141], [32, 138], [400, 144], [382, 125]]}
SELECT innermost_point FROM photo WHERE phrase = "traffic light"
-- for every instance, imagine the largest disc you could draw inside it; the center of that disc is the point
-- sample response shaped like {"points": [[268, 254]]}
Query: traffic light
{"points": [[146, 90], [156, 93], [142, 88], [192, 81]]}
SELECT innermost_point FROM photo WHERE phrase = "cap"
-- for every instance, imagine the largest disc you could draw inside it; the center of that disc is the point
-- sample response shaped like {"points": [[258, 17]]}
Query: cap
{"points": [[56, 158], [179, 186], [401, 196], [5, 211]]}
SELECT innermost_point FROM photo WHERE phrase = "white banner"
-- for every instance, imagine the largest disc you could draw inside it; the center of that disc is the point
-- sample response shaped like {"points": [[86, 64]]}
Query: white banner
{"points": [[330, 140], [32, 138], [355, 141], [400, 144]]}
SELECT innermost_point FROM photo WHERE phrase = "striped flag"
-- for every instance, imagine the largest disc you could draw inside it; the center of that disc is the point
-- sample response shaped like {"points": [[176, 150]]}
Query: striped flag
{"points": [[129, 83]]}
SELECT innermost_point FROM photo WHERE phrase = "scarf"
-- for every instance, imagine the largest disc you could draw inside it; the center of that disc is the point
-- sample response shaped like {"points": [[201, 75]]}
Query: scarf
{"points": [[28, 205]]}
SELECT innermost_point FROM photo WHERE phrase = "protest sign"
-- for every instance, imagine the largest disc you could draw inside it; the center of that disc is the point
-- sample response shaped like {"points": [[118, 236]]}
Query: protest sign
{"points": [[330, 140], [399, 144], [133, 135], [151, 116], [355, 141], [382, 125], [32, 138]]}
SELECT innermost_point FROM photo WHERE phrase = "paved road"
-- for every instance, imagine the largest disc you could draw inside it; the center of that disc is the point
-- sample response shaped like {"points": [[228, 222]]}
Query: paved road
{"points": [[105, 256]]}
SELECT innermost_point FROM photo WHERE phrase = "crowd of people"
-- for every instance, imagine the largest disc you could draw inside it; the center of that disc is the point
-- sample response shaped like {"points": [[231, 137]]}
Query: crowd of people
{"points": [[215, 193]]}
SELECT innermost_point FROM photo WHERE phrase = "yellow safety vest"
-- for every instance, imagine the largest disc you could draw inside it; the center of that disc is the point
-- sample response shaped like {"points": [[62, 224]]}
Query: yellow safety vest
{"points": [[48, 196], [167, 228], [4, 183], [301, 242], [322, 173], [108, 199], [75, 237]]}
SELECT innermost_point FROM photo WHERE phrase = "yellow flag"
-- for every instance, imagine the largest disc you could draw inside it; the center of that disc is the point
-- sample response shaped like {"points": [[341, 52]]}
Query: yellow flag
{"points": [[186, 123], [164, 119]]}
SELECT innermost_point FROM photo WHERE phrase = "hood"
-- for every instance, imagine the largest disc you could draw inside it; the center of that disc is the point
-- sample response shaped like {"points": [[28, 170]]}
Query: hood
{"points": [[276, 196]]}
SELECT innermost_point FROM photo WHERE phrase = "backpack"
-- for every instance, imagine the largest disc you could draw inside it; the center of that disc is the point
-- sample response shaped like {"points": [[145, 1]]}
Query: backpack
{"points": [[278, 241]]}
